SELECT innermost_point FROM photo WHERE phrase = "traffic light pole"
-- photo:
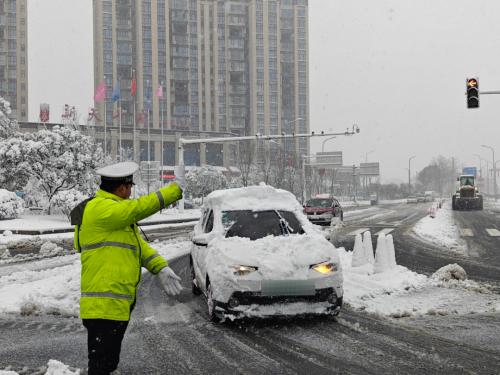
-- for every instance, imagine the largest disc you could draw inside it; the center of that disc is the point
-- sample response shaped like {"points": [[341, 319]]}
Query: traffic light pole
{"points": [[180, 170]]}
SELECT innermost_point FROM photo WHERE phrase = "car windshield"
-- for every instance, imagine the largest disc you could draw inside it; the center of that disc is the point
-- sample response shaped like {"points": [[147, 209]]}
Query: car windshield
{"points": [[259, 224], [319, 203], [466, 180]]}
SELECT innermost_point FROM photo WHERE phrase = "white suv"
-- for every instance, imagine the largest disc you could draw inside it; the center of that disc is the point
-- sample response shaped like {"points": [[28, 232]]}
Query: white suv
{"points": [[254, 253]]}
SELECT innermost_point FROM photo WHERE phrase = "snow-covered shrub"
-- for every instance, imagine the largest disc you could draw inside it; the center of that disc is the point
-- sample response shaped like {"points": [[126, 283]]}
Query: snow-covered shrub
{"points": [[202, 181], [11, 206], [66, 200], [51, 249], [450, 272]]}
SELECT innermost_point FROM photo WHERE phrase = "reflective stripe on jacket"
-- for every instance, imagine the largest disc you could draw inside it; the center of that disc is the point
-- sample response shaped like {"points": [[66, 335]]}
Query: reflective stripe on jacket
{"points": [[113, 251]]}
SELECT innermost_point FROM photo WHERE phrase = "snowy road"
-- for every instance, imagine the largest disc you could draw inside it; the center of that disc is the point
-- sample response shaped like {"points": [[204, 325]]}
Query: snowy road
{"points": [[173, 335], [480, 257]]}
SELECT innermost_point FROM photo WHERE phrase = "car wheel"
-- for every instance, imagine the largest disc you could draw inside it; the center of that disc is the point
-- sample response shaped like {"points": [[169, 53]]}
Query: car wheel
{"points": [[211, 304], [194, 288]]}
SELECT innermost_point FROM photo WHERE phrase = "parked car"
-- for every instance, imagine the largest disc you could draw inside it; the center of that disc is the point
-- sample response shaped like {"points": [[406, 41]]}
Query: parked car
{"points": [[323, 210], [420, 198], [373, 199], [254, 248], [412, 199]]}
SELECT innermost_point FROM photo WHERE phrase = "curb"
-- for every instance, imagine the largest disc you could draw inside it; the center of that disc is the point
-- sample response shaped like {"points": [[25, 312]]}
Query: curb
{"points": [[71, 229]]}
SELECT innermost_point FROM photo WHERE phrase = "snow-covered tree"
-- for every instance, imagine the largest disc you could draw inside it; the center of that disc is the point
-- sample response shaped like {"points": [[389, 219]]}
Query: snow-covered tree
{"points": [[8, 127], [14, 171], [60, 159], [204, 180], [66, 200], [10, 205]]}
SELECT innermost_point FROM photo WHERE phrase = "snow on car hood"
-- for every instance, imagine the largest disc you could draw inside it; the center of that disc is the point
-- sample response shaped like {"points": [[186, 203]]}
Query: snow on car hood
{"points": [[280, 257]]}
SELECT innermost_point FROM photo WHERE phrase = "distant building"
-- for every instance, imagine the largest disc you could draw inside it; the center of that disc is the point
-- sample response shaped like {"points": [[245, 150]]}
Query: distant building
{"points": [[225, 66], [13, 56]]}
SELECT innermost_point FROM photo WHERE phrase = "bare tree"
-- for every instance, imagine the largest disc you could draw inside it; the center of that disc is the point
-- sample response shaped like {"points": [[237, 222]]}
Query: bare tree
{"points": [[245, 159]]}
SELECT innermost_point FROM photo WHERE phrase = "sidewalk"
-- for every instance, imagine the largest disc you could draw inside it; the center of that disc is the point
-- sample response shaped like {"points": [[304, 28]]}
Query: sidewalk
{"points": [[33, 224]]}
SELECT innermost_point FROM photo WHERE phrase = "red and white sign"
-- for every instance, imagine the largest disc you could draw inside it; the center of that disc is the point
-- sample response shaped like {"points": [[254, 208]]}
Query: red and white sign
{"points": [[44, 112]]}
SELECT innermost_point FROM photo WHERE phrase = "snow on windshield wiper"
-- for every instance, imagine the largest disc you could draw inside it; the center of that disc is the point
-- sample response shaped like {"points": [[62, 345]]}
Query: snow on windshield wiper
{"points": [[284, 225]]}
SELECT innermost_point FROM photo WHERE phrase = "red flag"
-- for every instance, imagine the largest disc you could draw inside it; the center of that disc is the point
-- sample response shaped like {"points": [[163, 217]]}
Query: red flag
{"points": [[100, 92], [133, 87]]}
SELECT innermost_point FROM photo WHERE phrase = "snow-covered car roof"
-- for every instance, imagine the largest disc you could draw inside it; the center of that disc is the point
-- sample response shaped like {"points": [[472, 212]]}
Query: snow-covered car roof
{"points": [[256, 198]]}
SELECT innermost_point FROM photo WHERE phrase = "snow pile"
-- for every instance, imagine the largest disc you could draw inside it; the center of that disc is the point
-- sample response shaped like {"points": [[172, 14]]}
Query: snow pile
{"points": [[454, 276], [50, 249], [53, 287], [257, 198], [441, 230], [49, 291], [11, 205], [450, 272], [59, 368], [399, 292], [54, 367]]}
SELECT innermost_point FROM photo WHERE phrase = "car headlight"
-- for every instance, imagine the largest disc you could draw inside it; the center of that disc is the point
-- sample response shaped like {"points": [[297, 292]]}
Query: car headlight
{"points": [[325, 267], [239, 270]]}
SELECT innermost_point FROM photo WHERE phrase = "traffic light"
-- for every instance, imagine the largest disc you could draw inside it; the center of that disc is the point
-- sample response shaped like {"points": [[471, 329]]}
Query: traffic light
{"points": [[472, 86]]}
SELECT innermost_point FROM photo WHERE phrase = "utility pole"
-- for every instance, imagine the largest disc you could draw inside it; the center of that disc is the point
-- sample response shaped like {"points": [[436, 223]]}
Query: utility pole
{"points": [[354, 181], [494, 171], [409, 174]]}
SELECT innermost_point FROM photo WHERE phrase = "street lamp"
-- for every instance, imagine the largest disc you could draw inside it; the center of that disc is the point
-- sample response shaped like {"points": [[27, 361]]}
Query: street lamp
{"points": [[323, 143], [409, 174], [494, 171]]}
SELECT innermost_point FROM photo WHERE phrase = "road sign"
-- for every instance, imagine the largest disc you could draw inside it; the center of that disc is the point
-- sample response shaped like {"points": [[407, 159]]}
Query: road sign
{"points": [[329, 160], [369, 169], [150, 171]]}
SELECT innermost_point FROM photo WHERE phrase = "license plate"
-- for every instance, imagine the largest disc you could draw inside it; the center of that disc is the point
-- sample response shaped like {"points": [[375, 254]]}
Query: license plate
{"points": [[288, 288]]}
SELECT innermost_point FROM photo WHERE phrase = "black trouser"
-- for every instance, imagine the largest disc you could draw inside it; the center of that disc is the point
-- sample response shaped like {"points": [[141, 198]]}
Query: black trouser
{"points": [[104, 344]]}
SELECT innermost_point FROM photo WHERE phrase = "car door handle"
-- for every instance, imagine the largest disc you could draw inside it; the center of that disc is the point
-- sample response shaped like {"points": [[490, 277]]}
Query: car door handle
{"points": [[200, 244]]}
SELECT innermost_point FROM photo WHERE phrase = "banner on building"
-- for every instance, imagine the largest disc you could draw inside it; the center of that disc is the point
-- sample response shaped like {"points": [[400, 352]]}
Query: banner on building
{"points": [[44, 112]]}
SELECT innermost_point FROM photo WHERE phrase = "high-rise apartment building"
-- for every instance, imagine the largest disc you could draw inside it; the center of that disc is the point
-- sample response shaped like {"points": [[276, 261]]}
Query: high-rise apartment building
{"points": [[226, 66], [13, 56]]}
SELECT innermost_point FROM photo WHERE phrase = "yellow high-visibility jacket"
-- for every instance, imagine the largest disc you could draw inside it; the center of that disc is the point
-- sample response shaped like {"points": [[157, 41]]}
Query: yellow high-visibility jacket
{"points": [[113, 251]]}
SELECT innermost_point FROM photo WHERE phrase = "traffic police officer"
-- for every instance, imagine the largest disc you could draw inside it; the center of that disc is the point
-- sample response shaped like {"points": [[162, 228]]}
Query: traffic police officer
{"points": [[112, 254]]}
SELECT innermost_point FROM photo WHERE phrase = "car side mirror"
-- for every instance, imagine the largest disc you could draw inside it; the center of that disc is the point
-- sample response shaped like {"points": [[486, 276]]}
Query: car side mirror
{"points": [[200, 240]]}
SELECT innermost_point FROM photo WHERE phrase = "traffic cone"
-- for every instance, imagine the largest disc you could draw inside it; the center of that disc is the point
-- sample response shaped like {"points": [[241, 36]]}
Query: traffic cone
{"points": [[368, 246], [358, 253], [390, 250], [381, 256]]}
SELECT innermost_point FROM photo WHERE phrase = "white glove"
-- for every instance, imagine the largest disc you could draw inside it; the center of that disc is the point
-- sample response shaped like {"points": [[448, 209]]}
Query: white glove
{"points": [[170, 281]]}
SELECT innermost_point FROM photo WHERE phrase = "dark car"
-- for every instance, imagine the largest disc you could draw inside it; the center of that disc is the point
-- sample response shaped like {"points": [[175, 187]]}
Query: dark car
{"points": [[323, 210]]}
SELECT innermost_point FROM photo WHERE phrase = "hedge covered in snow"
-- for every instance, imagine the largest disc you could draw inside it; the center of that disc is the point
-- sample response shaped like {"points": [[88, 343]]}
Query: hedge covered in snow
{"points": [[67, 199], [11, 206]]}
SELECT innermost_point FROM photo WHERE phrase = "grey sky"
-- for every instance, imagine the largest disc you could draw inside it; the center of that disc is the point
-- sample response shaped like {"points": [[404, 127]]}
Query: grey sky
{"points": [[396, 68]]}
